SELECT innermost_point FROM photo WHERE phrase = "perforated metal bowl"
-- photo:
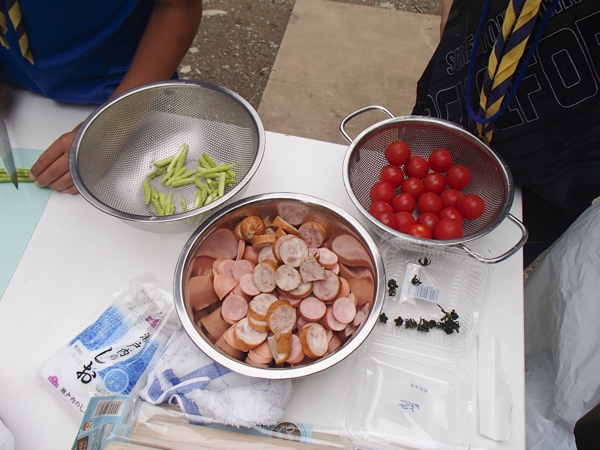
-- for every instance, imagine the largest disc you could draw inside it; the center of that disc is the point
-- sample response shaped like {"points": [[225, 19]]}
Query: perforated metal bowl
{"points": [[115, 148], [491, 178]]}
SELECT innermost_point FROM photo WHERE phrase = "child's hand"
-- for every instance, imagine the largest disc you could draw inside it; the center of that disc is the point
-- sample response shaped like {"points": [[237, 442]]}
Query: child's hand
{"points": [[52, 167]]}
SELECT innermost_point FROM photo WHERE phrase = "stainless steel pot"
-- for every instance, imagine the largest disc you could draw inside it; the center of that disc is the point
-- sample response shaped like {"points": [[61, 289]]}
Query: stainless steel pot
{"points": [[264, 204]]}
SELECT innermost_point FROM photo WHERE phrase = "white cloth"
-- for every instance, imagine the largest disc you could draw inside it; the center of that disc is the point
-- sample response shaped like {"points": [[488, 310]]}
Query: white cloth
{"points": [[202, 388], [562, 336]]}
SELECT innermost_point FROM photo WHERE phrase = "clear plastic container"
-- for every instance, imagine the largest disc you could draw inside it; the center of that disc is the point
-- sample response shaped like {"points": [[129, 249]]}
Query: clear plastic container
{"points": [[430, 279], [408, 401]]}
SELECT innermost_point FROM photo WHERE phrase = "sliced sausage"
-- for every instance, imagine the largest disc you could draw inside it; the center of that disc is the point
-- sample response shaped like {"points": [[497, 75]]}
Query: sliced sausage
{"points": [[250, 254], [264, 277], [245, 337], [259, 305], [225, 267], [200, 292], [223, 284], [312, 309], [327, 258], [297, 354], [202, 265], [234, 308], [361, 315], [228, 336], [251, 226], [281, 346], [335, 343], [350, 251], [262, 241], [293, 212], [258, 325], [329, 322], [241, 268], [313, 233], [214, 324], [283, 295], [293, 252], [241, 249], [363, 290], [343, 310], [345, 288], [324, 221], [287, 278], [311, 270], [301, 291], [281, 317], [221, 243], [258, 358], [313, 340], [267, 253], [327, 289], [278, 222], [360, 272], [233, 352], [279, 243], [247, 285]]}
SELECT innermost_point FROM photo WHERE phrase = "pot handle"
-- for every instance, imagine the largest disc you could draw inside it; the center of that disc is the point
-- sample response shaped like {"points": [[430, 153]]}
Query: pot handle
{"points": [[356, 113], [509, 253]]}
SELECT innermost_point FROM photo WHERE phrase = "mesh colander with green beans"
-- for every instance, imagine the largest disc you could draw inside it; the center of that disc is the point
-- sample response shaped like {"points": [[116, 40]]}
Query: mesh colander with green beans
{"points": [[191, 145]]}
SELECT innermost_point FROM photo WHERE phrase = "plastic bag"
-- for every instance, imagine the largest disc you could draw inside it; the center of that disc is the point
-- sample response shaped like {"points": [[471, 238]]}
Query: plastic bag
{"points": [[112, 354], [562, 335]]}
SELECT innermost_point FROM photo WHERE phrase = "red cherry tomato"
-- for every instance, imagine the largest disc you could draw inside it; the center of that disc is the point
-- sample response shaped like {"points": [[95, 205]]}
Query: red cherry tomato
{"points": [[440, 160], [413, 186], [447, 229], [404, 202], [392, 174], [429, 219], [458, 177], [450, 197], [382, 191], [379, 206], [434, 182], [416, 167], [419, 230], [430, 202], [471, 206], [387, 218], [405, 220], [397, 153], [450, 212]]}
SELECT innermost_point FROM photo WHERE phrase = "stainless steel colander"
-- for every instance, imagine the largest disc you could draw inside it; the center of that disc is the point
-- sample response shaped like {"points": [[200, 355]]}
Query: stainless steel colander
{"points": [[491, 178], [115, 148]]}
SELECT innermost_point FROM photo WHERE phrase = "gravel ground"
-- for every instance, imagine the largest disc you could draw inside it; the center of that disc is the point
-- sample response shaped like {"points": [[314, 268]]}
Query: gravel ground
{"points": [[238, 40]]}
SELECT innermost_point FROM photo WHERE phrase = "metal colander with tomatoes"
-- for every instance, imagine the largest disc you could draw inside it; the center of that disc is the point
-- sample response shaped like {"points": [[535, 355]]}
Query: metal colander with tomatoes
{"points": [[490, 179]]}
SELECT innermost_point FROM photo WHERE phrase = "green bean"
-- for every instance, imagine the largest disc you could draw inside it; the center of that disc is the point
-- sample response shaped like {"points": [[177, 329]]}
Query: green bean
{"points": [[200, 199], [173, 163], [147, 190], [181, 182], [175, 175], [208, 159], [181, 159], [163, 162], [157, 172], [221, 184], [19, 179], [184, 204], [187, 174], [163, 200], [210, 173], [159, 210], [204, 163]]}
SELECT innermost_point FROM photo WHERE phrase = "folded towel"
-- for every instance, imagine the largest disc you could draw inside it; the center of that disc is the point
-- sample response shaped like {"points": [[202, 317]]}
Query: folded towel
{"points": [[203, 389]]}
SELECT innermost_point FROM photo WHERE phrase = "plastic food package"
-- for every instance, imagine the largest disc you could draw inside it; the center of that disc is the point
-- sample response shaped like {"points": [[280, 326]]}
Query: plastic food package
{"points": [[562, 335], [112, 354]]}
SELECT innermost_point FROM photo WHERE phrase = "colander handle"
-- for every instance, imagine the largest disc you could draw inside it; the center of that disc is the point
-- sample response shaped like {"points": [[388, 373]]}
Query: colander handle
{"points": [[356, 113], [509, 253]]}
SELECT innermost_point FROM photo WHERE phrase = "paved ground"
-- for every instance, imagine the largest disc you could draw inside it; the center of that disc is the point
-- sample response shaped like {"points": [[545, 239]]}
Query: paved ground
{"points": [[238, 40]]}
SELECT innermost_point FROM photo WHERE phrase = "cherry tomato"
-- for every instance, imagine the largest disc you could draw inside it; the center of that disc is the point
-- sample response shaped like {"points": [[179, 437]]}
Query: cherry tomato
{"points": [[447, 229], [392, 174], [404, 202], [450, 212], [416, 167], [434, 182], [429, 219], [413, 186], [458, 177], [419, 230], [387, 218], [450, 197], [382, 191], [440, 160], [405, 219], [379, 206], [397, 153], [471, 206], [430, 202]]}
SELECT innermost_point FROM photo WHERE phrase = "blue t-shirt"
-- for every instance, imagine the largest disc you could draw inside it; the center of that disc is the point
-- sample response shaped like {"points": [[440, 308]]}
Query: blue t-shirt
{"points": [[81, 49]]}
